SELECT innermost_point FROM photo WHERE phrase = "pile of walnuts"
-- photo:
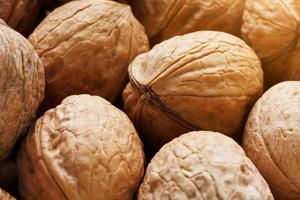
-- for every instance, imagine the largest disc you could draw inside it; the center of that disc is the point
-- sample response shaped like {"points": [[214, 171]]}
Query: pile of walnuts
{"points": [[149, 99]]}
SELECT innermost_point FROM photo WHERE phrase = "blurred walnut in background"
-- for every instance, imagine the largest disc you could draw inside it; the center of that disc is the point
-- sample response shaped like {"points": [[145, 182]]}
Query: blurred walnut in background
{"points": [[164, 19], [21, 15], [271, 28]]}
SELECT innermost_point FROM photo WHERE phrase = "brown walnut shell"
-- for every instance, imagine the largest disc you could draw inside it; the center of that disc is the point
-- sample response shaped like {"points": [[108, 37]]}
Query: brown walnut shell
{"points": [[85, 148], [164, 19], [271, 28], [86, 47], [200, 81], [272, 138], [203, 165], [21, 15], [21, 86]]}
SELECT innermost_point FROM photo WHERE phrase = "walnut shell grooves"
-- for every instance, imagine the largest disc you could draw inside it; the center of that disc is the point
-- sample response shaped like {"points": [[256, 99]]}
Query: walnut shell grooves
{"points": [[271, 138], [150, 96], [92, 53], [204, 80], [85, 149], [22, 86], [203, 165]]}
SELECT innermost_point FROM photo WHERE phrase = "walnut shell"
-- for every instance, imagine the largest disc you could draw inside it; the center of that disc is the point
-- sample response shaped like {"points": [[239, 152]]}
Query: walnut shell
{"points": [[52, 4], [5, 196], [21, 86], [271, 28], [164, 19], [200, 81], [86, 47], [21, 15], [85, 148], [272, 138], [203, 165]]}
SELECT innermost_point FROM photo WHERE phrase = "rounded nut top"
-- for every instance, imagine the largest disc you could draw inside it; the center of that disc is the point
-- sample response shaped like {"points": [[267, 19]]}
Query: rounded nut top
{"points": [[85, 148], [164, 19], [272, 138], [271, 28], [202, 165], [204, 80], [22, 86]]}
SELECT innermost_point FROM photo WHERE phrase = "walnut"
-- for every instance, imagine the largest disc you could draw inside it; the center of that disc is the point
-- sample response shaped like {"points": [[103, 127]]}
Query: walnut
{"points": [[164, 19], [5, 196], [203, 165], [200, 81], [21, 15], [271, 28], [272, 138], [85, 148], [86, 47], [21, 86], [52, 4]]}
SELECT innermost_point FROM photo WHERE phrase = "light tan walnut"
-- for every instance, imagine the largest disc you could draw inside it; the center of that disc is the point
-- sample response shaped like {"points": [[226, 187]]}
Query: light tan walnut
{"points": [[85, 149], [86, 47], [5, 196], [52, 4], [203, 165], [272, 139], [22, 86], [164, 19], [200, 81], [271, 28]]}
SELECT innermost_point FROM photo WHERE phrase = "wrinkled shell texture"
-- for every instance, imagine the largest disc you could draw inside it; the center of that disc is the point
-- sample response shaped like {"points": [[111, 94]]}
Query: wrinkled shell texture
{"points": [[86, 47], [21, 86], [5, 196], [21, 15], [85, 148], [271, 28], [51, 4], [202, 165], [272, 138], [164, 19], [200, 81]]}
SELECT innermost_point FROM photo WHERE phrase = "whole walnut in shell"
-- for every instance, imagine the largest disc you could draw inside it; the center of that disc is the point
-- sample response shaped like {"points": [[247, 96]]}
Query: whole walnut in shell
{"points": [[86, 47], [271, 28], [200, 81], [5, 196], [164, 19], [203, 165], [21, 86], [21, 15], [272, 138], [85, 148]]}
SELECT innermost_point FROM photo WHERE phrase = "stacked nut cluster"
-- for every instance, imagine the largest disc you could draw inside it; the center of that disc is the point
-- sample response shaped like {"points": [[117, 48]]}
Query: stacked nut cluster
{"points": [[149, 99]]}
